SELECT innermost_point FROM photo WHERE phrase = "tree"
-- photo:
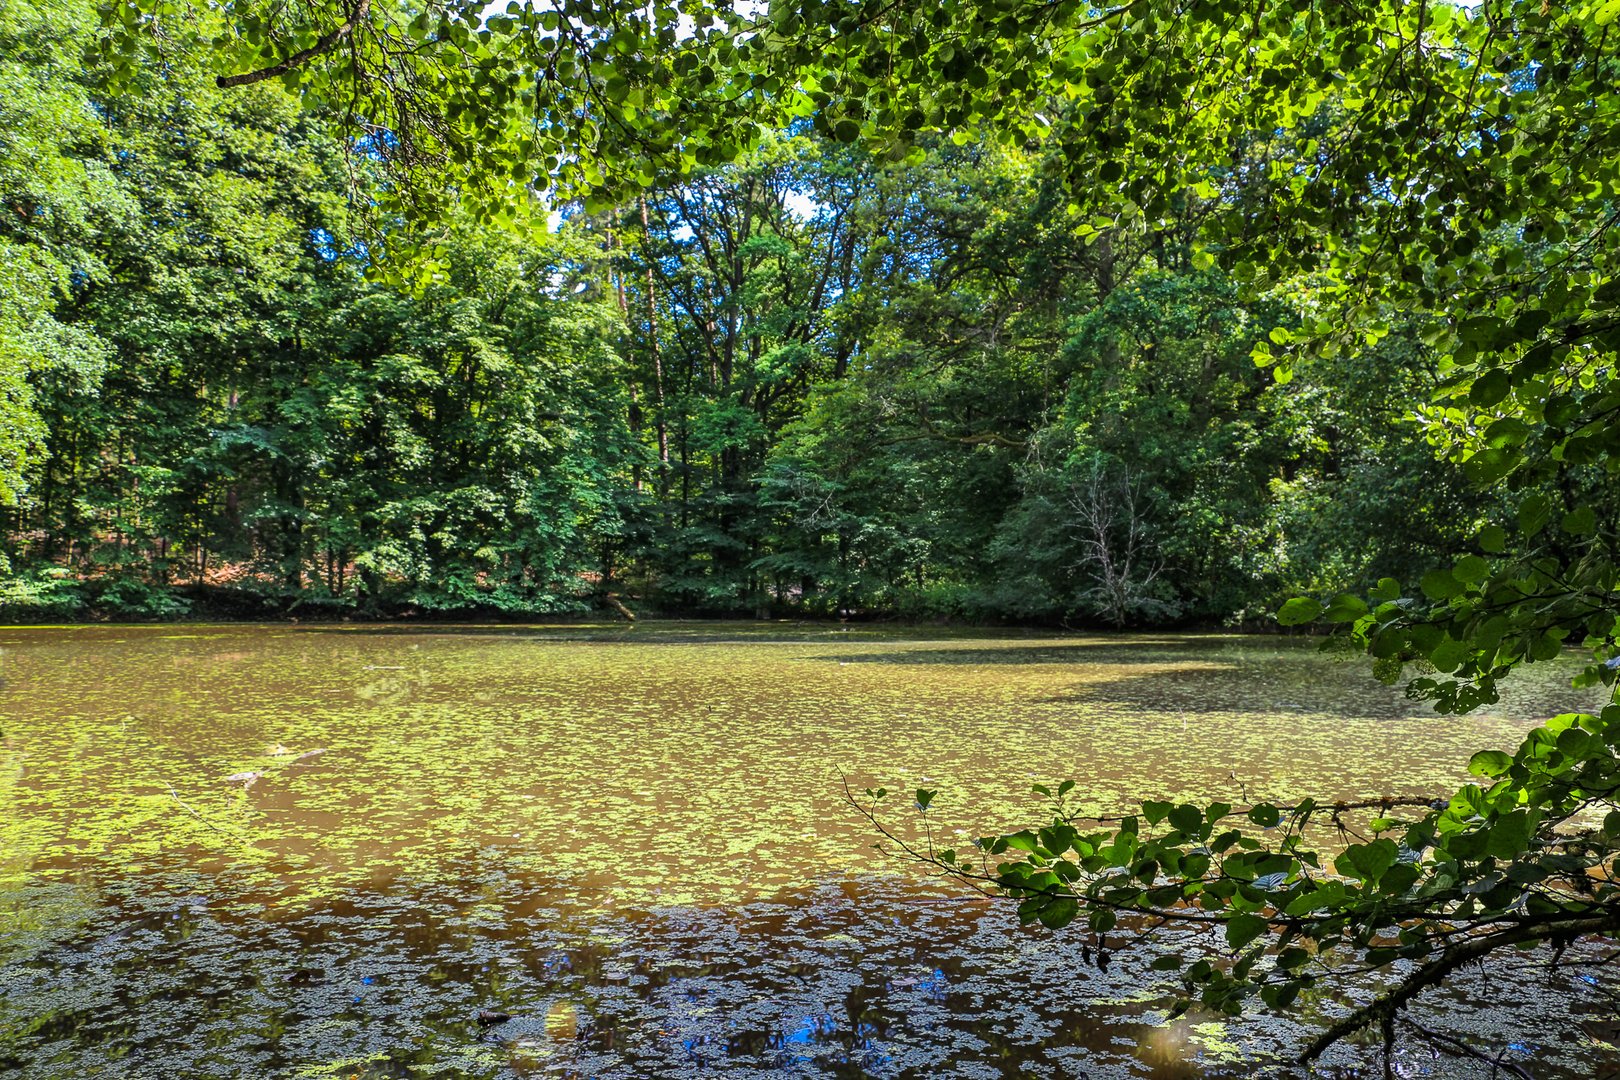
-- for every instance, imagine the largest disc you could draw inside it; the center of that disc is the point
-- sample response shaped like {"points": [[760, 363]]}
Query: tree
{"points": [[251, 420], [963, 332], [744, 285], [1109, 517], [1399, 154], [56, 187], [586, 99]]}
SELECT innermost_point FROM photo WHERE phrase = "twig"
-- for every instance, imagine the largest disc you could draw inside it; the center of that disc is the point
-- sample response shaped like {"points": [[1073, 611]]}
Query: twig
{"points": [[1457, 1046], [175, 795], [1456, 956]]}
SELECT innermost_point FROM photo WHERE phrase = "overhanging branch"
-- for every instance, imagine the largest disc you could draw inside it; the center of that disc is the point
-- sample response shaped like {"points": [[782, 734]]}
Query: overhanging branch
{"points": [[1456, 956], [322, 44]]}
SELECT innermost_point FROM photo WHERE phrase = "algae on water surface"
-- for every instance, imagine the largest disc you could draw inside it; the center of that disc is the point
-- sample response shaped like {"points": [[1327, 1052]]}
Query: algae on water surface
{"points": [[634, 842]]}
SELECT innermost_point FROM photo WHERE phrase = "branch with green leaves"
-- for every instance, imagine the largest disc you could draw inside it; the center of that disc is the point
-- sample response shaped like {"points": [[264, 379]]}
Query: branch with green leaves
{"points": [[1525, 856]]}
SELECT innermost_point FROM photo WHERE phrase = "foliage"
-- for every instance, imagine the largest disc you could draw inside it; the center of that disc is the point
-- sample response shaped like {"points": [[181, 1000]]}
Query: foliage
{"points": [[273, 425], [808, 381], [589, 99], [55, 189], [1526, 858]]}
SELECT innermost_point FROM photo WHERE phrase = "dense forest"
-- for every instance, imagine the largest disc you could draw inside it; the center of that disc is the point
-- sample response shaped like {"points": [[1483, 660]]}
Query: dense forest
{"points": [[807, 381]]}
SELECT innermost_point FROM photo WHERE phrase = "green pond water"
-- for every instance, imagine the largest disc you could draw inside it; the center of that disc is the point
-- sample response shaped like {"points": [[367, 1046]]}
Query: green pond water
{"points": [[321, 851]]}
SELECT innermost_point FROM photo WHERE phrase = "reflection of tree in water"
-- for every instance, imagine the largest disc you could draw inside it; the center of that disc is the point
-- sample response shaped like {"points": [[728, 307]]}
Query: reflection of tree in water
{"points": [[859, 977], [1215, 675], [1123, 651]]}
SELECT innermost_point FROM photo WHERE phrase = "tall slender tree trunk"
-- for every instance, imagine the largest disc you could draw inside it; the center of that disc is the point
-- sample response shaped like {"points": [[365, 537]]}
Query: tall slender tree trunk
{"points": [[616, 276], [660, 421]]}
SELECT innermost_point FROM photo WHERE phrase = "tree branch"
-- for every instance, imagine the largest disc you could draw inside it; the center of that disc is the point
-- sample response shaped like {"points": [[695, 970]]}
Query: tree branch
{"points": [[1454, 957], [323, 44]]}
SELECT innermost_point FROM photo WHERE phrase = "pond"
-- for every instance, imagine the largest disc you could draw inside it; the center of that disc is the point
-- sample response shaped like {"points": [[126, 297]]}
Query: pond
{"points": [[345, 851]]}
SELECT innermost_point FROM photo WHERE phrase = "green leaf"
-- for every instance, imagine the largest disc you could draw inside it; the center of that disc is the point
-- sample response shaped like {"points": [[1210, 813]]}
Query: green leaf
{"points": [[1244, 928], [1155, 812], [1386, 590], [1399, 878], [1533, 514], [1490, 763], [1367, 862], [1510, 834], [1299, 610], [1321, 897], [1441, 585], [1580, 522], [1059, 913], [1449, 655], [1490, 388], [1187, 819], [1279, 995], [1345, 608], [1289, 959]]}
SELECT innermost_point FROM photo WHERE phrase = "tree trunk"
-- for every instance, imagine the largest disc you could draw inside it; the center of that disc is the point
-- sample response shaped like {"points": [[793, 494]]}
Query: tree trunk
{"points": [[660, 422]]}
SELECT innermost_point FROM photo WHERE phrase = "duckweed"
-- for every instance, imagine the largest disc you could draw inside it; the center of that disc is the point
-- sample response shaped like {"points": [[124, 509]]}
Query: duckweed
{"points": [[324, 851]]}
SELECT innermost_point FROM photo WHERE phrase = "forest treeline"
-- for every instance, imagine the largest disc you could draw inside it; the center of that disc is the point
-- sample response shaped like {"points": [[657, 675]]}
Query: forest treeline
{"points": [[808, 382]]}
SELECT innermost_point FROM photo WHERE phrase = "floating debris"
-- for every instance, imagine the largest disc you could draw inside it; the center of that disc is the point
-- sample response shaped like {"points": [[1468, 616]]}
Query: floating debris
{"points": [[246, 779]]}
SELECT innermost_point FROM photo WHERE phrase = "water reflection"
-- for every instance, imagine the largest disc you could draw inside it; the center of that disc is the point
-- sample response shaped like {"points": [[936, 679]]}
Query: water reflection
{"points": [[851, 978], [520, 855]]}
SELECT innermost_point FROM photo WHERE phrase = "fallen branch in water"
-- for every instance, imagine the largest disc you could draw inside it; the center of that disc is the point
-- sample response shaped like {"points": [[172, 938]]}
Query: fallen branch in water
{"points": [[175, 795]]}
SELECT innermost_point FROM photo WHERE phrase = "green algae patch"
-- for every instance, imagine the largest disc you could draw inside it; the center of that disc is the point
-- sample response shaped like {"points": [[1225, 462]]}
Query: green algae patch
{"points": [[1215, 1040], [344, 1068]]}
